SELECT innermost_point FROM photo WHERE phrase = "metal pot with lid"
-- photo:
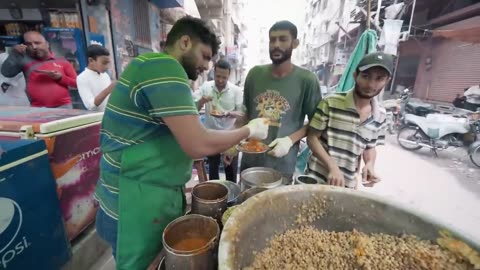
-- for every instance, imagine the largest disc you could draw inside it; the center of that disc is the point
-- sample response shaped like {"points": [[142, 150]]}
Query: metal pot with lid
{"points": [[260, 177]]}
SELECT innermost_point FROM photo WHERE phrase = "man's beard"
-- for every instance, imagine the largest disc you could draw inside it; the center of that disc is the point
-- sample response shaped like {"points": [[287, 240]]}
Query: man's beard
{"points": [[361, 95], [286, 55], [189, 66]]}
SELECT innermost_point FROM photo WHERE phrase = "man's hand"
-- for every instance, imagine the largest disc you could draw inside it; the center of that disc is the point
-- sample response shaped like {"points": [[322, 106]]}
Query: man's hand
{"points": [[369, 177], [205, 99], [281, 147], [55, 75], [111, 86], [258, 128], [336, 178], [20, 48]]}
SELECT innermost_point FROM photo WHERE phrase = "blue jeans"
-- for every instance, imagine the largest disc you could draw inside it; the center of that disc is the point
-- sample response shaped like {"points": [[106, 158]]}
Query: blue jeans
{"points": [[107, 229]]}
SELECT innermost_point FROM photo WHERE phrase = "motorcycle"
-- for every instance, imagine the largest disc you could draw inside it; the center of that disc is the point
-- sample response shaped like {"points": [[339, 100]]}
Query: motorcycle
{"points": [[394, 109], [438, 132]]}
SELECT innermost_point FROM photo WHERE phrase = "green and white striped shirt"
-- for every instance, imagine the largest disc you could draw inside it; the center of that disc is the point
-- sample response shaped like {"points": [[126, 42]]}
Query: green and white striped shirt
{"points": [[153, 86], [343, 136]]}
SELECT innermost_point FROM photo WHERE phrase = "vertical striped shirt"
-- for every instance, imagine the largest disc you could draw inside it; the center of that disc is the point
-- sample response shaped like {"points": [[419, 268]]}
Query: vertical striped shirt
{"points": [[343, 136], [153, 86]]}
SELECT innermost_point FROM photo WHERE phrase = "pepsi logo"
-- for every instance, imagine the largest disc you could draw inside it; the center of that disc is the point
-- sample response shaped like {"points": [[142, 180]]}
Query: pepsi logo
{"points": [[10, 222]]}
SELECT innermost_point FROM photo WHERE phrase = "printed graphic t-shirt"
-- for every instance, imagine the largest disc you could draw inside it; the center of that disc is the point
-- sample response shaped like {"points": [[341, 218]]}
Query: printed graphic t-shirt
{"points": [[285, 102]]}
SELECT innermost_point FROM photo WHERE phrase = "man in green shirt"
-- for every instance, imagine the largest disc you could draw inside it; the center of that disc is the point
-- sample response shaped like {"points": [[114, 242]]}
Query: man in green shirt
{"points": [[285, 94], [150, 134]]}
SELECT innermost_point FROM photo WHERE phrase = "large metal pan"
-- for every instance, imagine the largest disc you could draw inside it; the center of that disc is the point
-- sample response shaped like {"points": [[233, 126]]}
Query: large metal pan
{"points": [[276, 210]]}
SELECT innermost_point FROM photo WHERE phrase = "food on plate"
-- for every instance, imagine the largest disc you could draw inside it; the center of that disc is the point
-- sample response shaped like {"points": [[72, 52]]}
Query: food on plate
{"points": [[310, 248], [253, 145], [217, 113]]}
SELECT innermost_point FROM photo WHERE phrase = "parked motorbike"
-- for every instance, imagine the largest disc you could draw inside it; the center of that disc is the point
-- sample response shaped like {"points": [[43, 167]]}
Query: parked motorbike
{"points": [[438, 132], [394, 108]]}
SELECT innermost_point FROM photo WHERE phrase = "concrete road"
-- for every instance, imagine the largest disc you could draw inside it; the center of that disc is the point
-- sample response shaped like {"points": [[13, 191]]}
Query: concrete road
{"points": [[447, 188]]}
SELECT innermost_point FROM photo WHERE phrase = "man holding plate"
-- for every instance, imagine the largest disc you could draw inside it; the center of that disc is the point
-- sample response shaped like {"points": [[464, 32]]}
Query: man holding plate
{"points": [[223, 102]]}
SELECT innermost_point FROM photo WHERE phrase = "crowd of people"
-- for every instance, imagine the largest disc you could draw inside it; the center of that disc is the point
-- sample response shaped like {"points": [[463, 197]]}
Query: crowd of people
{"points": [[151, 130]]}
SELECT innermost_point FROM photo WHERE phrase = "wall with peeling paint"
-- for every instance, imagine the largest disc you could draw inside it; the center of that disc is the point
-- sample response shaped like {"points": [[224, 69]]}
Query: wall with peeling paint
{"points": [[101, 15], [124, 32]]}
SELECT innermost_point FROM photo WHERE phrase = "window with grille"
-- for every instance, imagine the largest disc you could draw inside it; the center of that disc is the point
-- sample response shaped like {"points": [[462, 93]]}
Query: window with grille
{"points": [[141, 21]]}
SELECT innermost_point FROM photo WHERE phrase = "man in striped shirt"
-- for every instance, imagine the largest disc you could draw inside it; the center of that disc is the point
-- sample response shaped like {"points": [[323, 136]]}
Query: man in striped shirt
{"points": [[347, 126], [150, 134]]}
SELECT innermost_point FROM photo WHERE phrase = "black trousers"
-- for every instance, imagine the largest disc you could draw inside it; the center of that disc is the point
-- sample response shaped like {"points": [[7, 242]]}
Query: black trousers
{"points": [[230, 171]]}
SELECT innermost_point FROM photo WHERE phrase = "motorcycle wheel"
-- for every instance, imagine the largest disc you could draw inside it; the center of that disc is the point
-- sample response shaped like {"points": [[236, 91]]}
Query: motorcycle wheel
{"points": [[475, 157], [413, 134]]}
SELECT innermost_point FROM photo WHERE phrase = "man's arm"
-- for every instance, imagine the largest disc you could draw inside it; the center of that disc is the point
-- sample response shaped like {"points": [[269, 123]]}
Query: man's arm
{"points": [[299, 134], [88, 98], [172, 104], [313, 141], [12, 65], [318, 125], [238, 112], [369, 177], [69, 77], [370, 156], [104, 94], [197, 141], [200, 98]]}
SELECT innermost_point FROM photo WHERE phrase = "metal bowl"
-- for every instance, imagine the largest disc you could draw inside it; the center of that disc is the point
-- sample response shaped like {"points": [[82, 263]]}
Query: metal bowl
{"points": [[249, 193], [260, 177], [308, 180], [233, 190], [276, 210]]}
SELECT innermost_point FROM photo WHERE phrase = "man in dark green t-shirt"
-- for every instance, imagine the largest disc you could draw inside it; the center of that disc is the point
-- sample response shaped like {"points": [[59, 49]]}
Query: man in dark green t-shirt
{"points": [[150, 134], [285, 94]]}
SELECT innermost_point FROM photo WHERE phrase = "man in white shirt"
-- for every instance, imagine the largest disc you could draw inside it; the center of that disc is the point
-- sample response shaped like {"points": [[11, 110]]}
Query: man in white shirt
{"points": [[94, 85], [223, 103], [12, 90]]}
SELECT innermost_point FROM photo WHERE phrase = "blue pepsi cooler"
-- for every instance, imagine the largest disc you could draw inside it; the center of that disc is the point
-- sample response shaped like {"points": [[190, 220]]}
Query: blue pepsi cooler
{"points": [[32, 235]]}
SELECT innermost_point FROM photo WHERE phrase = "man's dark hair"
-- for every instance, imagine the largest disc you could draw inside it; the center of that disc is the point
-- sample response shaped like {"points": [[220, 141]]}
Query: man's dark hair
{"points": [[94, 51], [223, 64], [196, 29], [2, 47], [285, 25]]}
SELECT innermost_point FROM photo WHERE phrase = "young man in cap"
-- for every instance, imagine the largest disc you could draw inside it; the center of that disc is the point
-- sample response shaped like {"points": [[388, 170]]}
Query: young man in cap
{"points": [[348, 125]]}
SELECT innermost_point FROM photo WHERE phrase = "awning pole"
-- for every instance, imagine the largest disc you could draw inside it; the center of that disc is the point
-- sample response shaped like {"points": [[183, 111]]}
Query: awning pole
{"points": [[411, 17], [369, 15]]}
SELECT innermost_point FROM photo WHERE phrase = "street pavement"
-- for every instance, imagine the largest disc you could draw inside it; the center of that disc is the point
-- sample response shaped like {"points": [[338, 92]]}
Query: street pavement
{"points": [[446, 188]]}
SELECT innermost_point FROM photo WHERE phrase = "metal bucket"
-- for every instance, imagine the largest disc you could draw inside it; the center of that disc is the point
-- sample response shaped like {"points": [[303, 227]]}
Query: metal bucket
{"points": [[233, 190], [260, 177], [274, 211], [307, 179], [190, 243], [249, 193], [209, 199]]}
